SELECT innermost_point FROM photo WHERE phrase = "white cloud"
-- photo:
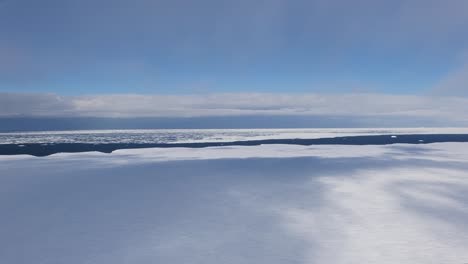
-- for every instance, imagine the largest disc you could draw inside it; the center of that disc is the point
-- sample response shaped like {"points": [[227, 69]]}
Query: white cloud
{"points": [[134, 105]]}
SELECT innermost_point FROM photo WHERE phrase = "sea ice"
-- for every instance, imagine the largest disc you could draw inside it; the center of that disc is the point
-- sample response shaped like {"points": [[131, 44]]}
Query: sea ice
{"points": [[263, 204]]}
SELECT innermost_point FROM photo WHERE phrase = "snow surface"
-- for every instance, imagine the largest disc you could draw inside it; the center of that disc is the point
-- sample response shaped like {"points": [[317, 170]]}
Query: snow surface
{"points": [[261, 204], [204, 135]]}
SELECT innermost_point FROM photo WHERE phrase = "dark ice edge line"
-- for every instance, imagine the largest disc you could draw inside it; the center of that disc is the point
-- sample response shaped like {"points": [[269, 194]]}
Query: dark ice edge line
{"points": [[41, 150]]}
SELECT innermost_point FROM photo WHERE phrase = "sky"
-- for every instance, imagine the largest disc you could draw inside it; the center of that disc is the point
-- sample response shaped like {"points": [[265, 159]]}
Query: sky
{"points": [[82, 52]]}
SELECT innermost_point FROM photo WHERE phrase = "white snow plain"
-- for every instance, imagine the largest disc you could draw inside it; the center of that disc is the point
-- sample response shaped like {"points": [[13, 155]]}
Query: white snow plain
{"points": [[261, 204]]}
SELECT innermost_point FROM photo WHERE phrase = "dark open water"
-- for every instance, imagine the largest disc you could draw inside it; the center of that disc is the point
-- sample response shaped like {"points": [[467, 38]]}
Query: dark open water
{"points": [[40, 149]]}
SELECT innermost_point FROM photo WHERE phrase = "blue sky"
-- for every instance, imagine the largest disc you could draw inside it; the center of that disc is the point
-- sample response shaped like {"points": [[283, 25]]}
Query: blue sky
{"points": [[357, 63], [214, 46]]}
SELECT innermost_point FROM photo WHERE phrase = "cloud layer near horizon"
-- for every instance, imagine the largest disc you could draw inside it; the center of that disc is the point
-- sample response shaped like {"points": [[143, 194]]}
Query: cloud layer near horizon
{"points": [[451, 109]]}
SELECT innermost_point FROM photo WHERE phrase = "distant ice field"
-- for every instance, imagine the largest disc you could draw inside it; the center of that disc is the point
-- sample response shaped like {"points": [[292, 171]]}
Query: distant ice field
{"points": [[163, 136]]}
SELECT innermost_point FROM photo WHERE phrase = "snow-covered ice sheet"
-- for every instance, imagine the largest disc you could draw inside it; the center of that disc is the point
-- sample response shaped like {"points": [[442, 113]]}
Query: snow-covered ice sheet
{"points": [[262, 204]]}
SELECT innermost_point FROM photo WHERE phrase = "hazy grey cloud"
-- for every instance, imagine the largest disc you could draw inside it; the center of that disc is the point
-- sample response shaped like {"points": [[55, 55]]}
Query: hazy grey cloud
{"points": [[35, 105], [455, 83], [452, 109]]}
